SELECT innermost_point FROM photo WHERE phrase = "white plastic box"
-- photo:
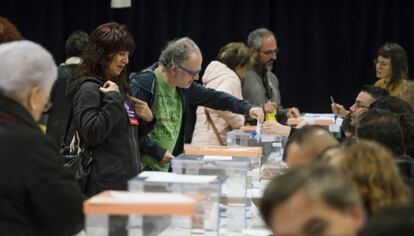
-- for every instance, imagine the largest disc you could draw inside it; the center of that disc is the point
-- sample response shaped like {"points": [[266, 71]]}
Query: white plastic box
{"points": [[138, 214], [205, 188], [232, 171]]}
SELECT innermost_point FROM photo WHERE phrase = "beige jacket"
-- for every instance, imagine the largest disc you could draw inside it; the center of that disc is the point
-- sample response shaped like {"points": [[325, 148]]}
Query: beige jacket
{"points": [[219, 77]]}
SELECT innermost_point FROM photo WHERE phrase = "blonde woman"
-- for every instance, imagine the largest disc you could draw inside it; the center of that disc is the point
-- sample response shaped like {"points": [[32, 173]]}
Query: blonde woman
{"points": [[372, 168], [224, 74]]}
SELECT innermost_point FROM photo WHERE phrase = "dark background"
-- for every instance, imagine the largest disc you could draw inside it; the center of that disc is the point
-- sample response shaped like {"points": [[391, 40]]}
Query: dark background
{"points": [[326, 47]]}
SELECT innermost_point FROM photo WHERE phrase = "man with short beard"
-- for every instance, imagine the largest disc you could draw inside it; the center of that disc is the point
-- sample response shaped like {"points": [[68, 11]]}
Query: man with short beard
{"points": [[364, 99]]}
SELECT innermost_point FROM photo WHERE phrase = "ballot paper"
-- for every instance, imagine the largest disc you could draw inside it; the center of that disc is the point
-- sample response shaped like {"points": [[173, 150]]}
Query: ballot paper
{"points": [[217, 158], [146, 174], [258, 129]]}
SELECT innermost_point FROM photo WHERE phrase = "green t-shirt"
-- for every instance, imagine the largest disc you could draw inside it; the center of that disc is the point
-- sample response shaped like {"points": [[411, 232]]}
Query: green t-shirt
{"points": [[169, 115]]}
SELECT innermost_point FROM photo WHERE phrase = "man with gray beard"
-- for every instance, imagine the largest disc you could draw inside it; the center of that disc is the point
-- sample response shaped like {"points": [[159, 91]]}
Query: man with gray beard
{"points": [[260, 85]]}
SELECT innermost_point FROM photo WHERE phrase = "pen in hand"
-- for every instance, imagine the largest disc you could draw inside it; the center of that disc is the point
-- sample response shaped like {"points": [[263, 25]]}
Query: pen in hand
{"points": [[333, 102]]}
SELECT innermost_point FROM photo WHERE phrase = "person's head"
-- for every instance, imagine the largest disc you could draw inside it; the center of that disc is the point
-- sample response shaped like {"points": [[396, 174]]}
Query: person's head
{"points": [[8, 31], [365, 98], [346, 126], [263, 47], [306, 144], [181, 59], [312, 200], [391, 221], [393, 104], [107, 53], [391, 63], [407, 93], [402, 111], [381, 126], [407, 126], [372, 168], [27, 73], [332, 155], [235, 56], [75, 44]]}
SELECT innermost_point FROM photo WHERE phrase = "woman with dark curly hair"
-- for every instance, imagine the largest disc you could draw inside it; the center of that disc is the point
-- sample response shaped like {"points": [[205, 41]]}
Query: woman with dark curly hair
{"points": [[107, 119], [391, 68]]}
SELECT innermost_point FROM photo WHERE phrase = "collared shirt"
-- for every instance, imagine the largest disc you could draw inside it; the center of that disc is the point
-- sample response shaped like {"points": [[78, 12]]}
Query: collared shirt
{"points": [[72, 61]]}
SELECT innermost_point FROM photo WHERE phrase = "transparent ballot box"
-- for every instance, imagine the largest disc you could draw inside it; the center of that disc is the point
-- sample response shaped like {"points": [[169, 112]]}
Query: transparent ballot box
{"points": [[232, 172], [328, 120], [272, 145], [205, 188], [138, 214], [241, 138], [254, 154]]}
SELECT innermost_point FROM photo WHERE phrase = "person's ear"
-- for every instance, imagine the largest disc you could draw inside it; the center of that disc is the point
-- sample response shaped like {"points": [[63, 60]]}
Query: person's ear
{"points": [[254, 52], [34, 98], [173, 70]]}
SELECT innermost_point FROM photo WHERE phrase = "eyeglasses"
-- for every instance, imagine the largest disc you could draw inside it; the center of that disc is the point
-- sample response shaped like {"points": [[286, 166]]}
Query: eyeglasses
{"points": [[194, 74], [270, 52], [380, 63], [359, 105]]}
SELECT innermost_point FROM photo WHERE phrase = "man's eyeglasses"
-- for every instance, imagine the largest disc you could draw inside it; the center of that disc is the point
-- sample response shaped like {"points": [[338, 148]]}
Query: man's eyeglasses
{"points": [[270, 52], [194, 74], [359, 105], [381, 63]]}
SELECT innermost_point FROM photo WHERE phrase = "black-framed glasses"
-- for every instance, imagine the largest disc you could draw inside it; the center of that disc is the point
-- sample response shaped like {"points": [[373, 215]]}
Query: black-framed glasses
{"points": [[380, 63], [194, 74], [270, 52], [359, 105]]}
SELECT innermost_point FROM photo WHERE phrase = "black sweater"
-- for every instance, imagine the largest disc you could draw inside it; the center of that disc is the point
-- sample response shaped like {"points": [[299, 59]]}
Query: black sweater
{"points": [[104, 127], [38, 196]]}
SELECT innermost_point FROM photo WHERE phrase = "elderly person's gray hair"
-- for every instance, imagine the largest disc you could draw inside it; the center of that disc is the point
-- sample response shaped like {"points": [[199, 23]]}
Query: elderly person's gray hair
{"points": [[255, 38], [24, 64], [177, 52]]}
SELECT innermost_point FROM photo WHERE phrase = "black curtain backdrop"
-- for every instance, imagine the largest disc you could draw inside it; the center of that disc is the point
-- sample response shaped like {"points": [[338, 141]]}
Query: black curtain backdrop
{"points": [[326, 47]]}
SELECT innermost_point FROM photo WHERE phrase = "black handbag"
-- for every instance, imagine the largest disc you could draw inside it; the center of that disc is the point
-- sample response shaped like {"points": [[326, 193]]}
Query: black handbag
{"points": [[77, 157]]}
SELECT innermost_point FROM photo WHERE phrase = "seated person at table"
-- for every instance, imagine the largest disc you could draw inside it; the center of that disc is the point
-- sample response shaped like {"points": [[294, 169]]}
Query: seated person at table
{"points": [[306, 144], [383, 127], [312, 200], [364, 99]]}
